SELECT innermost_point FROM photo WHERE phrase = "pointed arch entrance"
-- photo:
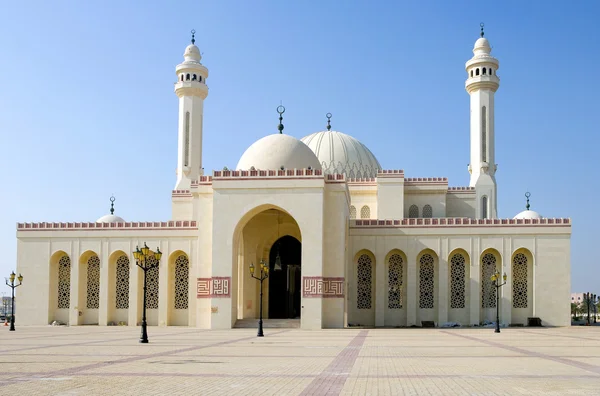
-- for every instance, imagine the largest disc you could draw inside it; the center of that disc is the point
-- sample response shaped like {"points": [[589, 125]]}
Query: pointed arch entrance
{"points": [[260, 235], [284, 278]]}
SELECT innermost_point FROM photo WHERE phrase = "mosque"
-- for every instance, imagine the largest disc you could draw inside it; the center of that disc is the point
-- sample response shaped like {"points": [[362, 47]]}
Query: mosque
{"points": [[345, 242]]}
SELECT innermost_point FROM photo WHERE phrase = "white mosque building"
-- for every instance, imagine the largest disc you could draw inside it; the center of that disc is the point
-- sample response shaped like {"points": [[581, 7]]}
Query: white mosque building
{"points": [[347, 243]]}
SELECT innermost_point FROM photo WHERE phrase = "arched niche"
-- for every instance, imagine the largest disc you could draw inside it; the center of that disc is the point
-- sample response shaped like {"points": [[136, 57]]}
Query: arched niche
{"points": [[396, 267], [59, 290]]}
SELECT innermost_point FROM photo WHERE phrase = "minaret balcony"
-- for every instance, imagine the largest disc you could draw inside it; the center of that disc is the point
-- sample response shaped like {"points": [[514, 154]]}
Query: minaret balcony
{"points": [[482, 82], [191, 88]]}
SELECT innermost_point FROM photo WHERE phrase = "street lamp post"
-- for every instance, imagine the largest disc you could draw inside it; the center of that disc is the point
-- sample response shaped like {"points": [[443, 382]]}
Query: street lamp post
{"points": [[496, 279], [13, 286], [143, 260], [264, 274]]}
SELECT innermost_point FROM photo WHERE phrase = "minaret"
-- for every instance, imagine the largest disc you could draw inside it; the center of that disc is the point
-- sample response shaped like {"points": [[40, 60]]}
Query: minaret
{"points": [[191, 90], [482, 82]]}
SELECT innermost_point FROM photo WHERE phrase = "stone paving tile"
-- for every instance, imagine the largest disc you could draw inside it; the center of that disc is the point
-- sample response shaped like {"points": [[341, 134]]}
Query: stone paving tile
{"points": [[218, 366], [469, 386], [100, 360], [460, 366], [114, 385]]}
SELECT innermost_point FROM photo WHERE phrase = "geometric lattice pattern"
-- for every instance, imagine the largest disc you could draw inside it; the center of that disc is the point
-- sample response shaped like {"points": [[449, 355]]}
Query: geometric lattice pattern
{"points": [[182, 275], [427, 211], [365, 212], [426, 281], [395, 282], [152, 285], [364, 272], [352, 212], [413, 212], [64, 282], [488, 290], [457, 281], [122, 284], [93, 283], [519, 278]]}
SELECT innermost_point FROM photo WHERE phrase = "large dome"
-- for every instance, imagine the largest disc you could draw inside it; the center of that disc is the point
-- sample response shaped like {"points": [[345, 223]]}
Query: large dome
{"points": [[276, 151], [528, 214], [341, 153], [111, 218]]}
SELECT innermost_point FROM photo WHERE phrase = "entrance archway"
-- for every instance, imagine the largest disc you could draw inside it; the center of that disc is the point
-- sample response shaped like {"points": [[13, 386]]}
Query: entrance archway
{"points": [[285, 278], [258, 236]]}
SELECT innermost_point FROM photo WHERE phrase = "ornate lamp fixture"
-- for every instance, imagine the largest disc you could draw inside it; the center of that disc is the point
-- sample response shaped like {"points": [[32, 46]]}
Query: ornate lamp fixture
{"points": [[264, 274], [496, 278], [13, 287], [143, 260]]}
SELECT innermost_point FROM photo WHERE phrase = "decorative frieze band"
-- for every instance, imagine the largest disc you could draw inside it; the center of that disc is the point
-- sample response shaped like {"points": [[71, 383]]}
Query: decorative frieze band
{"points": [[215, 287], [319, 287], [425, 180], [461, 189], [147, 225], [267, 173], [452, 222]]}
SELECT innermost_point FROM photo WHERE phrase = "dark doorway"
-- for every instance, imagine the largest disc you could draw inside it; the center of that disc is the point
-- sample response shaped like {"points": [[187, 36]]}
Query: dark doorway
{"points": [[284, 283]]}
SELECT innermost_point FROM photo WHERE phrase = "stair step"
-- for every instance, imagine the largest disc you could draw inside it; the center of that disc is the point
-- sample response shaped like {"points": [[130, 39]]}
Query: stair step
{"points": [[268, 323]]}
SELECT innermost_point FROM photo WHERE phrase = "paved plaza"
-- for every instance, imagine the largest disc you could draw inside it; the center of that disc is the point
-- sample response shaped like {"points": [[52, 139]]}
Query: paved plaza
{"points": [[109, 361]]}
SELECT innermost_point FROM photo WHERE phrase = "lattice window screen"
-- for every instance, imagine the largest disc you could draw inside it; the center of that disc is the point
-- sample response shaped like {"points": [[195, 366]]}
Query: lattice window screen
{"points": [[352, 212], [413, 212], [488, 290], [93, 283], [182, 273], [519, 276], [427, 211], [122, 284], [64, 282], [364, 272], [152, 286], [365, 212], [457, 281], [395, 282], [426, 281]]}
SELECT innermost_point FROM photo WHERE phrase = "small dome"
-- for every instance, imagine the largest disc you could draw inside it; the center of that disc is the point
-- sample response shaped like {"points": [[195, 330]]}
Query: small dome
{"points": [[528, 214], [278, 150], [192, 53], [110, 218], [482, 44], [341, 153]]}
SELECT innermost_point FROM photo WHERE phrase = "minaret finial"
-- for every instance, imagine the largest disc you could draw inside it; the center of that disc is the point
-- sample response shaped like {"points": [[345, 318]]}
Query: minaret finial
{"points": [[328, 115], [481, 24], [280, 110], [527, 195], [193, 36], [112, 204]]}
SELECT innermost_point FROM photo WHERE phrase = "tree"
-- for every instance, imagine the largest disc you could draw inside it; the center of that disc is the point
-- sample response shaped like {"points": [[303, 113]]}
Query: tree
{"points": [[583, 307], [574, 310]]}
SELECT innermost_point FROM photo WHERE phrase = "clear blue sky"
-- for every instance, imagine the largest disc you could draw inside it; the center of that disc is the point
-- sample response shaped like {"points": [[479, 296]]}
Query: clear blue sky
{"points": [[87, 107]]}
